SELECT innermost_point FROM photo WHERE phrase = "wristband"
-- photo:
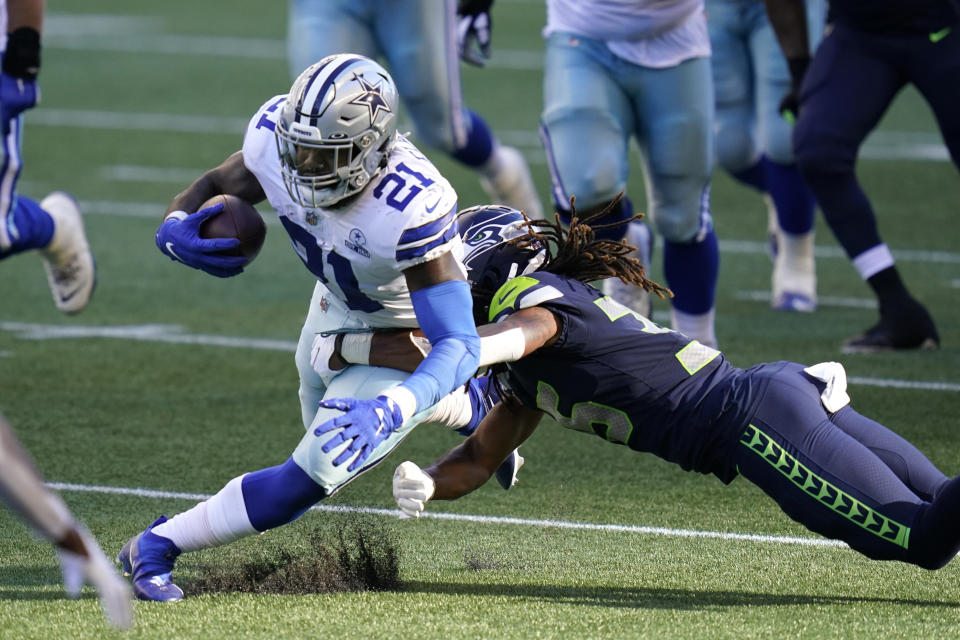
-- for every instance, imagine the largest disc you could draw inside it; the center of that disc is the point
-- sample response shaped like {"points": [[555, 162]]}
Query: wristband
{"points": [[355, 347], [22, 57], [506, 346], [175, 215], [404, 398]]}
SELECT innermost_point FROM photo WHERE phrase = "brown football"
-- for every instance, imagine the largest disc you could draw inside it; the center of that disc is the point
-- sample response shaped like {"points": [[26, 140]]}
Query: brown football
{"points": [[237, 220]]}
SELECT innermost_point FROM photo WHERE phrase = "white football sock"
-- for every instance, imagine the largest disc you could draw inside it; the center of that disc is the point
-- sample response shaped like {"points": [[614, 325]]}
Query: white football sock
{"points": [[698, 326], [217, 521], [454, 410]]}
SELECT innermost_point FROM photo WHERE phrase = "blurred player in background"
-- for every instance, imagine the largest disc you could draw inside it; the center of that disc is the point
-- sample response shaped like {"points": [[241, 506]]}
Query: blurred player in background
{"points": [[594, 366], [622, 68], [81, 558], [419, 39], [375, 222], [870, 51], [750, 77], [54, 226]]}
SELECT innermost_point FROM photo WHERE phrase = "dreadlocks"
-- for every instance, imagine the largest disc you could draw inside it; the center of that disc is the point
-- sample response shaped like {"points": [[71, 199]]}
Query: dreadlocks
{"points": [[575, 252]]}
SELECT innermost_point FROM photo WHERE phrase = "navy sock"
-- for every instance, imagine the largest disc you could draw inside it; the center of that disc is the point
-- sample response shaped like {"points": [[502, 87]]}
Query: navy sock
{"points": [[691, 272], [791, 196], [278, 495], [479, 147], [753, 176], [28, 227], [935, 539]]}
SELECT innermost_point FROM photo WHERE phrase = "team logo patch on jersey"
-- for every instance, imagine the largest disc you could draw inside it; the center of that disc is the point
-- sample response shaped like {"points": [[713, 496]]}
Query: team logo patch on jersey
{"points": [[356, 241]]}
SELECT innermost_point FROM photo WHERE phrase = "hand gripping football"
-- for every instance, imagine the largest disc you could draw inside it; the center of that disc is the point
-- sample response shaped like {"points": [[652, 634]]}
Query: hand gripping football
{"points": [[237, 220]]}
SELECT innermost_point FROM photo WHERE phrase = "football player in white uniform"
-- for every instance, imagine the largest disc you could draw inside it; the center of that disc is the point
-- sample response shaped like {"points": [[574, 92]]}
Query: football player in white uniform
{"points": [[750, 77], [617, 69], [419, 39], [53, 227], [375, 222]]}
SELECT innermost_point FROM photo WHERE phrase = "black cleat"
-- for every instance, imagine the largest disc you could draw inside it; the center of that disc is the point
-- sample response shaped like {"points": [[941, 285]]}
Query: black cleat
{"points": [[909, 327]]}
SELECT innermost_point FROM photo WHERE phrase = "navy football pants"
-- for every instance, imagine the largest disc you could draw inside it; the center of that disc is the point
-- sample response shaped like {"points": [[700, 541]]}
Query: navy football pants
{"points": [[846, 476], [852, 79]]}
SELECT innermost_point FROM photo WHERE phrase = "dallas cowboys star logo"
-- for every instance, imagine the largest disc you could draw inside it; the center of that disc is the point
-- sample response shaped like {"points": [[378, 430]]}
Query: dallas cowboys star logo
{"points": [[371, 98]]}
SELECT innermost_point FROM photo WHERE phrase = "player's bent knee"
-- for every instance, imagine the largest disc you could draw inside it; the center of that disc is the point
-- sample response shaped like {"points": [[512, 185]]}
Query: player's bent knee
{"points": [[735, 149], [587, 150], [680, 223]]}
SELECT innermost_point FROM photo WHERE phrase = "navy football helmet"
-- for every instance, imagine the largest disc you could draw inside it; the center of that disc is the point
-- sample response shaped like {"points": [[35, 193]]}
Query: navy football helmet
{"points": [[490, 259]]}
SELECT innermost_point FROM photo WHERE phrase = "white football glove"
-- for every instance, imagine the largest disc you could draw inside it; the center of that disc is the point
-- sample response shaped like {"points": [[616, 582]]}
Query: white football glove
{"points": [[95, 570], [323, 346], [412, 488]]}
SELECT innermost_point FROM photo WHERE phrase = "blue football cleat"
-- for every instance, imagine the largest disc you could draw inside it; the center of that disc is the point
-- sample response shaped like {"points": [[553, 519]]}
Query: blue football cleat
{"points": [[149, 559]]}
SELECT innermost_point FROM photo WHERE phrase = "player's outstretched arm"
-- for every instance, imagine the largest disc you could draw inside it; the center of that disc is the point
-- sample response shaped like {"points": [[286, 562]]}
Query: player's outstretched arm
{"points": [[469, 465], [516, 336], [178, 237]]}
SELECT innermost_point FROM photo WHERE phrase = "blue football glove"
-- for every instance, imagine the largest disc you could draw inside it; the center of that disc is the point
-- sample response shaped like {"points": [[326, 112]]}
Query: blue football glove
{"points": [[365, 424], [473, 31], [179, 239], [16, 96]]}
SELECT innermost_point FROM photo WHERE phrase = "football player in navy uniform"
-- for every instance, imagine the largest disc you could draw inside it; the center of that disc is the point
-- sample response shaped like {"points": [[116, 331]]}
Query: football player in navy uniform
{"points": [[870, 51], [420, 40], [595, 366], [374, 221], [54, 226]]}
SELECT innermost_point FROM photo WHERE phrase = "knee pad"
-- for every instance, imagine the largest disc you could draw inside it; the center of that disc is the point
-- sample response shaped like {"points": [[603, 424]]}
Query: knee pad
{"points": [[685, 218], [587, 156], [734, 143]]}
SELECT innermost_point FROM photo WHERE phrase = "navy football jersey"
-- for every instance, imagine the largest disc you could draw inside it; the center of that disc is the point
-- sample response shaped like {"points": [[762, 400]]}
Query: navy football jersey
{"points": [[894, 15], [617, 374]]}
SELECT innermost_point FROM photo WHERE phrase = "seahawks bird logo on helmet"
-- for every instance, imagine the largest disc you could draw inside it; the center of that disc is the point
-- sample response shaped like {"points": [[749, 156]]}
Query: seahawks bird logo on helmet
{"points": [[335, 129], [489, 256]]}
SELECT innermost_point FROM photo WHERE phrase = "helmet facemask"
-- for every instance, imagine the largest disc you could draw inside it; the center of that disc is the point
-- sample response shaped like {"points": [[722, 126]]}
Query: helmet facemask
{"points": [[335, 129]]}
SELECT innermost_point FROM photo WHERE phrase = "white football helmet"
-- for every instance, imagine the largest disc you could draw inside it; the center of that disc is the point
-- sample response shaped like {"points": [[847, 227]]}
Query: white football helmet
{"points": [[336, 128]]}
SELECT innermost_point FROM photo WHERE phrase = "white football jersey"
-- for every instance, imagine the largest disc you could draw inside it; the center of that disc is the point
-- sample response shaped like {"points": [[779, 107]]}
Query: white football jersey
{"points": [[404, 217], [649, 33]]}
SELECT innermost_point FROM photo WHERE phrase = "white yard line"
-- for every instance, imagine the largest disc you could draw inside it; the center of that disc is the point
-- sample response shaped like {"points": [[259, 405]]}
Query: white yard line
{"points": [[880, 145], [462, 517], [174, 334]]}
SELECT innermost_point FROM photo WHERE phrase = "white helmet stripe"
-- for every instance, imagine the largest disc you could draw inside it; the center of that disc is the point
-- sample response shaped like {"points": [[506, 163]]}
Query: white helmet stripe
{"points": [[311, 102]]}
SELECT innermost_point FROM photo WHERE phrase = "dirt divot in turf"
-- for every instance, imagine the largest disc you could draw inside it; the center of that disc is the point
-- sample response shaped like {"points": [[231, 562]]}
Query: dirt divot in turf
{"points": [[360, 556]]}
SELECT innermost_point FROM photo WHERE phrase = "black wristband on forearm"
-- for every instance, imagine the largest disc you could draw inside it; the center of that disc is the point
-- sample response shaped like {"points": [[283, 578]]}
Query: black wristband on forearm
{"points": [[22, 57], [798, 67]]}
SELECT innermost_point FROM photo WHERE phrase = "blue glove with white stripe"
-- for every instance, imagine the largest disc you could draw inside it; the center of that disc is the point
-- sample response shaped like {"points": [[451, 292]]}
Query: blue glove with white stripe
{"points": [[179, 239], [365, 424]]}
